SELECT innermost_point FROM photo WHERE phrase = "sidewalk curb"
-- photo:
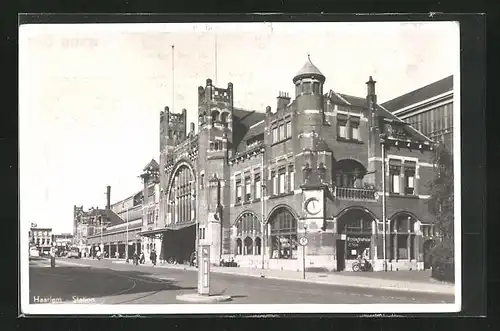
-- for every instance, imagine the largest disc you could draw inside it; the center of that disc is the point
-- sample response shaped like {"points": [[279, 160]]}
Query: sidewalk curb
{"points": [[391, 288], [450, 291]]}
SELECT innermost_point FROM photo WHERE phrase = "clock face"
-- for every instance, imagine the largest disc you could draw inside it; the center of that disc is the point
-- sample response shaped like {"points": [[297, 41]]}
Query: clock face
{"points": [[313, 206]]}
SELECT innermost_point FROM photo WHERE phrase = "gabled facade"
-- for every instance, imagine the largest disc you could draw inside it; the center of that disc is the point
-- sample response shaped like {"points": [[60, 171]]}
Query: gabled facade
{"points": [[257, 181]]}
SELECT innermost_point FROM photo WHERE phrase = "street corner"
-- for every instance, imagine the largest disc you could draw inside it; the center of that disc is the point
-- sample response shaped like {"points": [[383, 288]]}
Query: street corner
{"points": [[198, 298]]}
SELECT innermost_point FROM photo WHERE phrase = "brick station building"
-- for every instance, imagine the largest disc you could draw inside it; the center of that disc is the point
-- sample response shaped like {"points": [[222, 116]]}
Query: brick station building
{"points": [[258, 181]]}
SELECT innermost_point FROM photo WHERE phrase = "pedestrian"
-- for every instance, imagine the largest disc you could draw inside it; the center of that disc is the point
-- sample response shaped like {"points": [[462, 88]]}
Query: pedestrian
{"points": [[142, 259], [153, 257], [52, 258], [135, 257]]}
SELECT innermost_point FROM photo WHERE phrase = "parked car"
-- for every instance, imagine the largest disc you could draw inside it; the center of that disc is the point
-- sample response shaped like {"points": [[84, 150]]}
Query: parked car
{"points": [[74, 252], [34, 252]]}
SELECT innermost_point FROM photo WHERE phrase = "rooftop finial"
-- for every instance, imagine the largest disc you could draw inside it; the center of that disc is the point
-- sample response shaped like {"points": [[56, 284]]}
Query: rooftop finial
{"points": [[309, 57]]}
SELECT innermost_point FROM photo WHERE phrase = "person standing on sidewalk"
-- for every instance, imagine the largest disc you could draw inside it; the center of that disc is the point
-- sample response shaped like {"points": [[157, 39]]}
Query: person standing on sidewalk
{"points": [[52, 257], [153, 257]]}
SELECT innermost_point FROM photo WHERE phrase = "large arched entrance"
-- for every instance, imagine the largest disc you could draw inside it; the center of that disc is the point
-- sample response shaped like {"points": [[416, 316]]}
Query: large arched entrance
{"points": [[283, 234], [248, 235], [355, 230], [179, 241], [402, 237]]}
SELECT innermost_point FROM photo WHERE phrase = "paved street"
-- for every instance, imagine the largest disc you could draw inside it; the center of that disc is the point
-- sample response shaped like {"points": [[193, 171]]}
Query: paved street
{"points": [[105, 282]]}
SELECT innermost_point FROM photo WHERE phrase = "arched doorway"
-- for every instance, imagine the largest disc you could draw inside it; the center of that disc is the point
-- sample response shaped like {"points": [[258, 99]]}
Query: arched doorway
{"points": [[427, 248], [355, 230], [283, 234], [179, 242]]}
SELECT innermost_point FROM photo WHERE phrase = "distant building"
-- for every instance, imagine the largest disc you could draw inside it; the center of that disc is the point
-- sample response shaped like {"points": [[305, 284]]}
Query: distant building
{"points": [[63, 239], [428, 109], [109, 231], [41, 238]]}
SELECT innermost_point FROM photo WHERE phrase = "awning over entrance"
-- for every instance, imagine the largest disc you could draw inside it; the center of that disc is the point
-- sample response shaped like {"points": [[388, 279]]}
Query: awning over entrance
{"points": [[154, 232], [170, 227], [179, 226]]}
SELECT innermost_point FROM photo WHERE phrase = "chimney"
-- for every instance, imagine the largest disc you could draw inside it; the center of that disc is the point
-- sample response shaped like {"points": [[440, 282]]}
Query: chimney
{"points": [[191, 127], [283, 100], [268, 110], [108, 197], [371, 97]]}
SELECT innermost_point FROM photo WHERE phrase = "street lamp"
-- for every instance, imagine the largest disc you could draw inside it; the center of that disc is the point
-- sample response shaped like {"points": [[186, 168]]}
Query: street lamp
{"points": [[304, 253], [263, 188], [263, 223], [127, 245], [383, 137]]}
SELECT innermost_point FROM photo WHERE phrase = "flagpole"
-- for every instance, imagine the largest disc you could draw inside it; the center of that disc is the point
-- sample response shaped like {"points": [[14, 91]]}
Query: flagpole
{"points": [[173, 108], [215, 58]]}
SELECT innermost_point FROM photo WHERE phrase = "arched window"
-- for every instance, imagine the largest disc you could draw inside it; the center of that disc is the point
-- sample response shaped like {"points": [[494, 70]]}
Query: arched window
{"points": [[223, 117], [181, 205], [215, 116], [402, 237], [238, 246], [247, 227], [349, 173], [283, 235], [248, 246], [258, 246]]}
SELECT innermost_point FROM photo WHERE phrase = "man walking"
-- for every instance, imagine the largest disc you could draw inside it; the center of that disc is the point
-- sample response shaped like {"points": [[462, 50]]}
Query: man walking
{"points": [[153, 257], [135, 258]]}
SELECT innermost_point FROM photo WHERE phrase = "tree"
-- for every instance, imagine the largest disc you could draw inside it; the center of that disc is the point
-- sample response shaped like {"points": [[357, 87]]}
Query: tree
{"points": [[441, 205]]}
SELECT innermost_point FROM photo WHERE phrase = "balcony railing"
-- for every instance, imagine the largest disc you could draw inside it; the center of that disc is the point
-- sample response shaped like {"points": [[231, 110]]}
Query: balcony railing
{"points": [[351, 193]]}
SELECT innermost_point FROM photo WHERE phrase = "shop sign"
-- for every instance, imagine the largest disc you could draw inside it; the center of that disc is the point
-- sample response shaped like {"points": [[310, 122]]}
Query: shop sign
{"points": [[358, 239]]}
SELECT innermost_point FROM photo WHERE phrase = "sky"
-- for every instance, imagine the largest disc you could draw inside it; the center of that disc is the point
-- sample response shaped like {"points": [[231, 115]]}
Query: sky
{"points": [[91, 94]]}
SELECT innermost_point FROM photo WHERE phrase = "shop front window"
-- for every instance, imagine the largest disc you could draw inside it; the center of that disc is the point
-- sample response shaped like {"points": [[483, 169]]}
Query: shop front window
{"points": [[283, 235], [358, 232]]}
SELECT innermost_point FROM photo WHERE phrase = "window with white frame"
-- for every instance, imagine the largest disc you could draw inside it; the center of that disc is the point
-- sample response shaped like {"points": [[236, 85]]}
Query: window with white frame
{"points": [[355, 131], [275, 182], [257, 186], [275, 134], [288, 129], [409, 172], [238, 191], [248, 189], [342, 128], [282, 132], [291, 181], [394, 175], [281, 180]]}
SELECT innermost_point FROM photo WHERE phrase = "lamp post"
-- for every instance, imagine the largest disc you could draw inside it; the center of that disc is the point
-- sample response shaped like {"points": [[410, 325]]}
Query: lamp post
{"points": [[197, 223], [384, 230], [304, 253], [263, 189], [127, 244], [263, 220]]}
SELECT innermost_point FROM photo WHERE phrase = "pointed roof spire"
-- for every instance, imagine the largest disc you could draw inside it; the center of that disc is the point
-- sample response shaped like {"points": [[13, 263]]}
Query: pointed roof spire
{"points": [[309, 70]]}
